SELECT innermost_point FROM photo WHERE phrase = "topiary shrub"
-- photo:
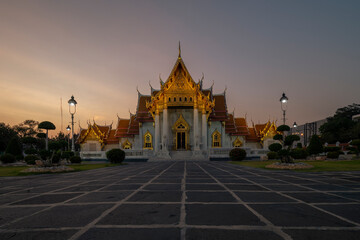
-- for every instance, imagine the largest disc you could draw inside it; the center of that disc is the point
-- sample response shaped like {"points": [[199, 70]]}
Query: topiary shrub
{"points": [[45, 154], [333, 155], [275, 147], [30, 159], [299, 145], [56, 158], [31, 151], [237, 154], [67, 155], [283, 153], [115, 155], [298, 153], [75, 159], [331, 149], [7, 158], [272, 155], [315, 147], [14, 147], [283, 128]]}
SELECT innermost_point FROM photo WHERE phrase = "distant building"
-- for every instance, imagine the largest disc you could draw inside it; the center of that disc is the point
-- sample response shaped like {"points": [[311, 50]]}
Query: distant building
{"points": [[306, 130]]}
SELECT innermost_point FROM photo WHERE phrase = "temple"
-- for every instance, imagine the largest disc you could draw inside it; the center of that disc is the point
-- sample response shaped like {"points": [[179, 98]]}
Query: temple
{"points": [[180, 120]]}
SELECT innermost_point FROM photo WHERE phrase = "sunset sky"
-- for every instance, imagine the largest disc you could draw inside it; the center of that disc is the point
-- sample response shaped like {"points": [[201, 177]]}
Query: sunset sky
{"points": [[100, 51]]}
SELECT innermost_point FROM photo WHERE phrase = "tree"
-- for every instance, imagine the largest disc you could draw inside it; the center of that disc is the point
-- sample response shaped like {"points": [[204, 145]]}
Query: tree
{"points": [[47, 126], [6, 134], [315, 147], [341, 127], [28, 128], [356, 143], [283, 150], [275, 147]]}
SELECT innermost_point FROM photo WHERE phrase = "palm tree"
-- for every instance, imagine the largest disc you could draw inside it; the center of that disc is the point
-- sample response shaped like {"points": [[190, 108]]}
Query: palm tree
{"points": [[48, 126]]}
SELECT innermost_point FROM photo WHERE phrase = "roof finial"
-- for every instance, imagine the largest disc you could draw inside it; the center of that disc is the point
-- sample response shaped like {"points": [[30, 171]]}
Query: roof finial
{"points": [[179, 51]]}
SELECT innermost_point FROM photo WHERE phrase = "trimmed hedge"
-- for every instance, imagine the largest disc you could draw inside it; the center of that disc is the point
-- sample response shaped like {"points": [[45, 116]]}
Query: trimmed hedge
{"points": [[333, 155], [115, 155], [298, 153], [31, 151], [237, 154], [7, 158], [272, 155], [75, 159], [30, 159]]}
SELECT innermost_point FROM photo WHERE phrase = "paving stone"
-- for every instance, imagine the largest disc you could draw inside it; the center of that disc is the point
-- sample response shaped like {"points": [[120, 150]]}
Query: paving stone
{"points": [[328, 187], [117, 187], [48, 199], [352, 195], [316, 197], [84, 188], [262, 197], [210, 197], [297, 215], [164, 187], [286, 188], [135, 214], [245, 187], [38, 235], [156, 196], [9, 198], [304, 234], [10, 214], [220, 214], [348, 211], [216, 234], [200, 180], [62, 216], [132, 233], [194, 186], [167, 180], [114, 196]]}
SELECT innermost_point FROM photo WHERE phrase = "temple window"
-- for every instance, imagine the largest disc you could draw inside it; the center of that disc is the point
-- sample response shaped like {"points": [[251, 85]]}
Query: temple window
{"points": [[174, 99], [185, 99], [148, 140], [180, 99], [127, 145], [190, 99], [169, 99], [237, 143], [216, 139]]}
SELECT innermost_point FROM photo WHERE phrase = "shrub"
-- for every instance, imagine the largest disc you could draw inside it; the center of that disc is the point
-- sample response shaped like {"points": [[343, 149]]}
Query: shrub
{"points": [[54, 145], [19, 157], [56, 158], [278, 137], [275, 147], [331, 149], [237, 154], [44, 154], [67, 155], [30, 159], [7, 158], [14, 147], [31, 151], [283, 153], [75, 159], [315, 147], [298, 153], [272, 155], [283, 128], [333, 155], [115, 155], [289, 140], [299, 145]]}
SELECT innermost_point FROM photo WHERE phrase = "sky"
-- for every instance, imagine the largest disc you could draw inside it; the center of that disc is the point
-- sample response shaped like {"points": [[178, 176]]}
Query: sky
{"points": [[102, 51]]}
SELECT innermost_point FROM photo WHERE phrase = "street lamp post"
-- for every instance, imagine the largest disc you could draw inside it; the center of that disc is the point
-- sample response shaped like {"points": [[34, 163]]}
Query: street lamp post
{"points": [[284, 101], [68, 129], [72, 110]]}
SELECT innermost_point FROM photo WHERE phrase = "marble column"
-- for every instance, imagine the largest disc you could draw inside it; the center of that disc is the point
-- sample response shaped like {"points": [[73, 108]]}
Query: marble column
{"points": [[204, 130], [157, 131], [141, 136], [165, 130], [196, 128]]}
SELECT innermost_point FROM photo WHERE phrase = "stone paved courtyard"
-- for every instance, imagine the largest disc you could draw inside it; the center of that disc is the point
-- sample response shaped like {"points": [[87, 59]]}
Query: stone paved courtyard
{"points": [[181, 200]]}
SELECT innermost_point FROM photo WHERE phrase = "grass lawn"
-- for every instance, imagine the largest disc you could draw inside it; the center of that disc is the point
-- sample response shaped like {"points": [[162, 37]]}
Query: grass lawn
{"points": [[16, 171], [319, 166]]}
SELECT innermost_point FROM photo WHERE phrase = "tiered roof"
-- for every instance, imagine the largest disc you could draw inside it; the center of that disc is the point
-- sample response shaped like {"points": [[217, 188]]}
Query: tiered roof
{"points": [[103, 134]]}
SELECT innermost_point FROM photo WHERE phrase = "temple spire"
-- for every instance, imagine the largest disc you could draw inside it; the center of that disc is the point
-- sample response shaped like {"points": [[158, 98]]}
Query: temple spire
{"points": [[179, 51]]}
